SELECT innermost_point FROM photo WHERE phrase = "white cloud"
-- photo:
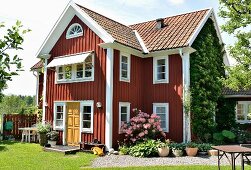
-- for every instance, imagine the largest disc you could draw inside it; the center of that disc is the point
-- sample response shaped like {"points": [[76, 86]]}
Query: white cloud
{"points": [[176, 2]]}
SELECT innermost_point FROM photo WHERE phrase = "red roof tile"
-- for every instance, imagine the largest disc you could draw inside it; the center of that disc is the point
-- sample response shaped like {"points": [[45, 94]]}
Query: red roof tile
{"points": [[37, 65]]}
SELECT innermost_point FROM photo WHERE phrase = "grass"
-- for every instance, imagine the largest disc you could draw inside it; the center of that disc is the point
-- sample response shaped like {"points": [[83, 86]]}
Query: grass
{"points": [[14, 155], [19, 156]]}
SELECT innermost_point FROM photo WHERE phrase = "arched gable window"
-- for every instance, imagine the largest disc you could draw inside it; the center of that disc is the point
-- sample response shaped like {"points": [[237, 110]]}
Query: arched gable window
{"points": [[75, 30]]}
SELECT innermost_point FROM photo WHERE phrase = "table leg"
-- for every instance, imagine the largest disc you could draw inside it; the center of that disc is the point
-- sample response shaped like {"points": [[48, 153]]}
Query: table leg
{"points": [[233, 161], [29, 137], [218, 160], [242, 162], [26, 136]]}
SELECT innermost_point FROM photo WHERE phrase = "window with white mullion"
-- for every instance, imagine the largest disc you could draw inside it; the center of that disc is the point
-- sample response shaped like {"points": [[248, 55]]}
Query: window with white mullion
{"points": [[243, 112], [161, 110], [124, 113], [79, 71], [60, 74], [160, 70], [59, 112], [87, 116], [124, 67]]}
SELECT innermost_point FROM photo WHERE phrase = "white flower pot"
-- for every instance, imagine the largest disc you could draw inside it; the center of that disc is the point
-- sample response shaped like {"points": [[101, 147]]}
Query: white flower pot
{"points": [[52, 143], [163, 151]]}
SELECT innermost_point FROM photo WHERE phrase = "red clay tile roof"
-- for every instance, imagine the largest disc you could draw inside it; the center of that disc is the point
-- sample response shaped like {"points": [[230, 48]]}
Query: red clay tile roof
{"points": [[175, 34], [121, 33], [37, 65], [241, 92]]}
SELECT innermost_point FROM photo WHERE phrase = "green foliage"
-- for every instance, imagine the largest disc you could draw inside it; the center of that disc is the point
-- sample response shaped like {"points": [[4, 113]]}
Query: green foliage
{"points": [[43, 128], [206, 73], [10, 65], [177, 146], [52, 135], [123, 150], [223, 137], [225, 114], [144, 149], [191, 145], [18, 104], [238, 22], [203, 147]]}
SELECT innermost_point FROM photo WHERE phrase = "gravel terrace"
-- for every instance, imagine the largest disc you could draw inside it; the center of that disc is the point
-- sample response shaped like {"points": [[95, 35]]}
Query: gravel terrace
{"points": [[126, 160]]}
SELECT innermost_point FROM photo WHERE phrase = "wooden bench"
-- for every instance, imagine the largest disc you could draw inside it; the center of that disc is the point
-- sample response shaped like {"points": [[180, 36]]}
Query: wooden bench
{"points": [[86, 147]]}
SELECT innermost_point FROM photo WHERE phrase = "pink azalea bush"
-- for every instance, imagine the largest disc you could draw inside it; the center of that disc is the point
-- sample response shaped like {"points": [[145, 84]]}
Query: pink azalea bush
{"points": [[142, 127]]}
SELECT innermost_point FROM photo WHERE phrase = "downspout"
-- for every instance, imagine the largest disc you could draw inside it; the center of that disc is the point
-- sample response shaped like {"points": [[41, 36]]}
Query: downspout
{"points": [[45, 57], [186, 88], [37, 86]]}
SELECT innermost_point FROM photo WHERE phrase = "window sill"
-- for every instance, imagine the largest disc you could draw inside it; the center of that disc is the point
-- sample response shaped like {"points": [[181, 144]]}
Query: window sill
{"points": [[87, 131], [125, 80], [59, 128], [161, 82], [244, 122], [74, 81]]}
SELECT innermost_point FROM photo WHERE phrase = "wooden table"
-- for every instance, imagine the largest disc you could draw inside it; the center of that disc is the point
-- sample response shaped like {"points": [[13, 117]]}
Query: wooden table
{"points": [[27, 131], [235, 151]]}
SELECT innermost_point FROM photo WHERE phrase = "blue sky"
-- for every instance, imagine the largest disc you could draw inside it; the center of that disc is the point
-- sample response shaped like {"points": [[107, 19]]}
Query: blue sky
{"points": [[40, 16]]}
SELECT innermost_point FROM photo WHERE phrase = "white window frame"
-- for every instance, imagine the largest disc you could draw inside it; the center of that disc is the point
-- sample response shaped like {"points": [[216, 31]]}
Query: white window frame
{"points": [[124, 104], [166, 105], [245, 105], [128, 67], [74, 74], [55, 115], [155, 71], [68, 36], [82, 104]]}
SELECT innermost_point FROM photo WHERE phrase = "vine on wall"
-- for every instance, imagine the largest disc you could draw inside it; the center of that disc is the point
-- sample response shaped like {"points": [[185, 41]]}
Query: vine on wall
{"points": [[206, 71]]}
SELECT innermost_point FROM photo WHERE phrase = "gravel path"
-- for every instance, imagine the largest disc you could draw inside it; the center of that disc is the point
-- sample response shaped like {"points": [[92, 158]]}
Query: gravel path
{"points": [[126, 160]]}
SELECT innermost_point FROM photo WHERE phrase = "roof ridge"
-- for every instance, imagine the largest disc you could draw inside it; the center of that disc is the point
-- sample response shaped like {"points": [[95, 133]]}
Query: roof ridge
{"points": [[103, 16], [171, 16]]}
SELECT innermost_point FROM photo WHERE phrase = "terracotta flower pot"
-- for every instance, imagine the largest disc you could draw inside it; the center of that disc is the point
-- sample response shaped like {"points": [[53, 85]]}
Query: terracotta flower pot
{"points": [[191, 151], [212, 152], [52, 143], [177, 153], [163, 151]]}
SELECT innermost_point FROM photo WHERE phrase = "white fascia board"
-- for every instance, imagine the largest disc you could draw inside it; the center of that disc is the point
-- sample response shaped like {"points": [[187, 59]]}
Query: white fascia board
{"points": [[216, 26], [93, 25], [237, 96], [141, 42], [170, 52], [56, 30], [198, 29], [69, 12]]}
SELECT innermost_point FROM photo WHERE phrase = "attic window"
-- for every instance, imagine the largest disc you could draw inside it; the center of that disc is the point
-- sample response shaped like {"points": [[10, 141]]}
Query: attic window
{"points": [[75, 30]]}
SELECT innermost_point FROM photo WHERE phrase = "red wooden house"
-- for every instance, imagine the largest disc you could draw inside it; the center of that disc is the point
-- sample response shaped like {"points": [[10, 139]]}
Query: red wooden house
{"points": [[96, 70]]}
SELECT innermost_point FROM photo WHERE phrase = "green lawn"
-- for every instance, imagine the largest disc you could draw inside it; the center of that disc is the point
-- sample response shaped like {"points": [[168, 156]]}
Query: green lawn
{"points": [[26, 156], [15, 155]]}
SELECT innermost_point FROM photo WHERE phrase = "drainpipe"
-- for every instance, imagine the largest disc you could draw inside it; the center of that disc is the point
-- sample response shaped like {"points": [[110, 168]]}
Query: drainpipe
{"points": [[37, 86], [45, 57], [186, 87]]}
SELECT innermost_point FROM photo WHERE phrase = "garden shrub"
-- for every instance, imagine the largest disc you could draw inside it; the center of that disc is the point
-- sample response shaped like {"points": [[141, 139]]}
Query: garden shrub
{"points": [[144, 149], [141, 128]]}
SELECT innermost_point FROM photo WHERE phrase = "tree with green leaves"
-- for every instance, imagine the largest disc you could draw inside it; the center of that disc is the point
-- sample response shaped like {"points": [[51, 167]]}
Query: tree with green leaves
{"points": [[238, 23], [10, 65]]}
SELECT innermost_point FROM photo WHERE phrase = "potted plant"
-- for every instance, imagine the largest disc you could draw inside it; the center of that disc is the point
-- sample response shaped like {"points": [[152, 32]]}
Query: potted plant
{"points": [[52, 137], [177, 149], [204, 148], [42, 129], [163, 148], [191, 149]]}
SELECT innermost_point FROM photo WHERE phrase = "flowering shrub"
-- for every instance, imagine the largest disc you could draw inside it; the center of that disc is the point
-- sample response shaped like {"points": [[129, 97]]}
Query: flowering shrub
{"points": [[142, 127]]}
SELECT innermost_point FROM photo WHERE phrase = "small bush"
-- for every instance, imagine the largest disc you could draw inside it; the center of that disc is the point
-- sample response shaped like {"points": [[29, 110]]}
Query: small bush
{"points": [[144, 149], [191, 145], [204, 147], [177, 146], [141, 128]]}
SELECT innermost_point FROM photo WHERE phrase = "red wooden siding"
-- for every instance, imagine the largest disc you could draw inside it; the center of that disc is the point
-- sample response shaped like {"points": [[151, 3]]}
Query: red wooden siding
{"points": [[142, 93], [126, 92], [40, 90], [166, 93], [84, 90]]}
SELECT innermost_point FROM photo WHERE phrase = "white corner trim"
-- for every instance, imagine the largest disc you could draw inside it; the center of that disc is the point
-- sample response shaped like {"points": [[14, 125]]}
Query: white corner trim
{"points": [[109, 99], [198, 29], [44, 89], [186, 86], [93, 25], [141, 42]]}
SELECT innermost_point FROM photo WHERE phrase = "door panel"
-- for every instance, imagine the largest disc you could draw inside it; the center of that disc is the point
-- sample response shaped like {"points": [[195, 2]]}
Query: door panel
{"points": [[72, 124]]}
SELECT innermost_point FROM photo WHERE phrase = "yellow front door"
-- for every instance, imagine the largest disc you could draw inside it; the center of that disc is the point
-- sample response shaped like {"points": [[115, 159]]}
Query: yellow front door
{"points": [[73, 123]]}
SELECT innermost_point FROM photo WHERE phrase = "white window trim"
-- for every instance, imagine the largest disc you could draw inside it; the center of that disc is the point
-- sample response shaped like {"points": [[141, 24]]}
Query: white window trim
{"points": [[74, 36], [74, 78], [54, 115], [155, 59], [128, 67], [82, 104], [125, 104], [245, 103], [166, 105]]}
